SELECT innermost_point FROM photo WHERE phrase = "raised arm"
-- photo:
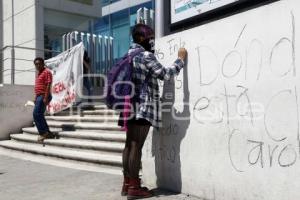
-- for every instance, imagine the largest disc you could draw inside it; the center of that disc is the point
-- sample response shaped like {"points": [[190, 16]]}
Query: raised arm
{"points": [[161, 72]]}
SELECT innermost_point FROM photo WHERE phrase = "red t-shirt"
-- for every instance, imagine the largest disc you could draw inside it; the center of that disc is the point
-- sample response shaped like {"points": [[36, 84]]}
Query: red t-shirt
{"points": [[42, 80]]}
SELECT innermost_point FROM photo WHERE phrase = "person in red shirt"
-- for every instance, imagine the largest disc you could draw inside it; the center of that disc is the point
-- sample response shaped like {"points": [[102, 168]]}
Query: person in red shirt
{"points": [[42, 98]]}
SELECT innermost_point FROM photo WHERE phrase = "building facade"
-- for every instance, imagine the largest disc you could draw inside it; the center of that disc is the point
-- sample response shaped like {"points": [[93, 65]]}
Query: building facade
{"points": [[35, 28], [231, 126], [230, 121], [31, 26], [118, 17]]}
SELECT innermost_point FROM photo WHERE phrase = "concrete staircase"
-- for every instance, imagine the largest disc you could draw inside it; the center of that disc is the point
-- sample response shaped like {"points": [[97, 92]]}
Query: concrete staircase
{"points": [[86, 136]]}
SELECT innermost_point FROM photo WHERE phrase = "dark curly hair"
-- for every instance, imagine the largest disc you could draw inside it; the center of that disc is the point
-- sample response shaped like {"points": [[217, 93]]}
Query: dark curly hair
{"points": [[141, 30], [39, 59]]}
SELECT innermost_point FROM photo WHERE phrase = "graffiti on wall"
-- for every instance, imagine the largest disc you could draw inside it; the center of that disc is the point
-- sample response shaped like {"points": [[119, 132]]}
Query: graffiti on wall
{"points": [[261, 119]]}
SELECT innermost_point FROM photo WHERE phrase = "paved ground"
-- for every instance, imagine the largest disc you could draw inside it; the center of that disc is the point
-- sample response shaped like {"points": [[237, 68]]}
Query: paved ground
{"points": [[25, 180]]}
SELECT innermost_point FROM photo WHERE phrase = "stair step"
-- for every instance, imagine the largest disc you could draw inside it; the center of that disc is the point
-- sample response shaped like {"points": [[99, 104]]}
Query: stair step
{"points": [[85, 125], [35, 131], [100, 107], [104, 112], [59, 162], [73, 143], [60, 152], [78, 118], [67, 113], [102, 135], [85, 107], [117, 137]]}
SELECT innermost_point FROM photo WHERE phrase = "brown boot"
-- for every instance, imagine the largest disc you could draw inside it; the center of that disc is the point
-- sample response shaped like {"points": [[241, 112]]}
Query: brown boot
{"points": [[125, 186], [48, 135], [135, 191]]}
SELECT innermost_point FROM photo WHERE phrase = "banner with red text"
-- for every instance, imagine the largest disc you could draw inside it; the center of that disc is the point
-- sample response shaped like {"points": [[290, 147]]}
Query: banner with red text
{"points": [[67, 70]]}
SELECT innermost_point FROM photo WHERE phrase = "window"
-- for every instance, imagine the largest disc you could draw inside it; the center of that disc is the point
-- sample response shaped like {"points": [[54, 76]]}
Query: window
{"points": [[88, 2], [107, 2], [118, 25], [56, 24]]}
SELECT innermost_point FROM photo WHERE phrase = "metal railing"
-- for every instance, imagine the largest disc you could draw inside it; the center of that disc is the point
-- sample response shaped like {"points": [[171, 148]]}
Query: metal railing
{"points": [[13, 58], [98, 47]]}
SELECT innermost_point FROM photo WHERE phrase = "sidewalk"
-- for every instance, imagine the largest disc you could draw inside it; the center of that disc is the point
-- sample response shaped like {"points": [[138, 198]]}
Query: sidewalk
{"points": [[27, 180]]}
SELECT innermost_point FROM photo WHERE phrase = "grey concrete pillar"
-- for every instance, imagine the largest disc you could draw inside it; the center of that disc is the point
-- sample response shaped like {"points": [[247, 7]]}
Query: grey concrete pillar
{"points": [[159, 18], [94, 55], [39, 31], [82, 38]]}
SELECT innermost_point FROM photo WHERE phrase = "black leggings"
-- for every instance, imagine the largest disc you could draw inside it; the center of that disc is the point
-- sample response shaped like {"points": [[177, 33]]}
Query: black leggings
{"points": [[132, 153]]}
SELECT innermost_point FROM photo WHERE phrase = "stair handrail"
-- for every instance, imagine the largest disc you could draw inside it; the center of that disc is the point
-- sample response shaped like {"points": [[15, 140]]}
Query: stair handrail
{"points": [[13, 59]]}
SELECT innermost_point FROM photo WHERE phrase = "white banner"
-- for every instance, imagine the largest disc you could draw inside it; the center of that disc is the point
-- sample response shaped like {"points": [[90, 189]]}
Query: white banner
{"points": [[67, 70]]}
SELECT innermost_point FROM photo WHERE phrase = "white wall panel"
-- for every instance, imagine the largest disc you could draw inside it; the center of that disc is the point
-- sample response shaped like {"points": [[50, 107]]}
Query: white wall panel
{"points": [[238, 135]]}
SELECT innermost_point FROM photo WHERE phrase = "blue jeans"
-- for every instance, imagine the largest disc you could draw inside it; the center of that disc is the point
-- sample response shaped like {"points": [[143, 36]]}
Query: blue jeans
{"points": [[38, 114]]}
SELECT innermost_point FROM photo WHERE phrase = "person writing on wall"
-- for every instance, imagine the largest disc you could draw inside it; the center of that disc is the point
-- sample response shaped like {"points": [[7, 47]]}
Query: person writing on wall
{"points": [[146, 72]]}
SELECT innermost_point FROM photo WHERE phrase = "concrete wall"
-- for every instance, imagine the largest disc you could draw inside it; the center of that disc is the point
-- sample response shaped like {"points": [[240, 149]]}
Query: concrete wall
{"points": [[64, 14], [1, 40], [19, 30], [66, 20], [238, 135], [13, 114], [67, 6]]}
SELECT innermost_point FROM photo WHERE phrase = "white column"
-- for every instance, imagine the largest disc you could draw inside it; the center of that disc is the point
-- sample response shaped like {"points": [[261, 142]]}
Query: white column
{"points": [[93, 53], [72, 39], [64, 43], [100, 53], [106, 48], [111, 51], [146, 16], [68, 41], [139, 16]]}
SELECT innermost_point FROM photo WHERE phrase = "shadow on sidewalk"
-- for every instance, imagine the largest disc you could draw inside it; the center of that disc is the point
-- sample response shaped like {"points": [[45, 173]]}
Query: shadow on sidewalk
{"points": [[160, 192]]}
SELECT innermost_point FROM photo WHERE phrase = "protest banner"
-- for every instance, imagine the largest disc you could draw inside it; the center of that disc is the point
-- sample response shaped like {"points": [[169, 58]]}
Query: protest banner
{"points": [[67, 71]]}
